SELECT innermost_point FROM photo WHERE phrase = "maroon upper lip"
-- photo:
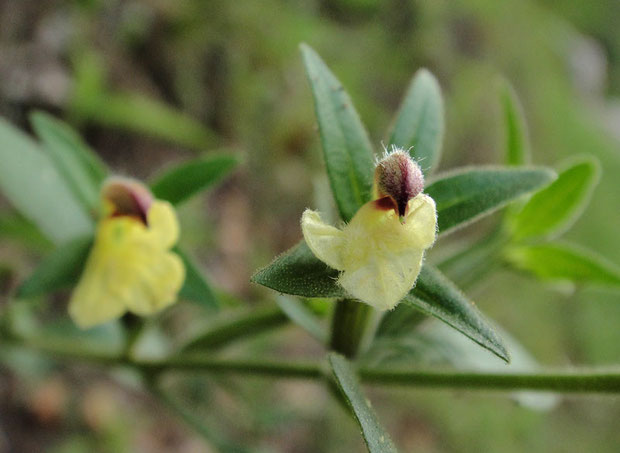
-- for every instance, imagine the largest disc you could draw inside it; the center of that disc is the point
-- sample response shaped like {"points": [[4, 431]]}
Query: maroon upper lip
{"points": [[128, 197]]}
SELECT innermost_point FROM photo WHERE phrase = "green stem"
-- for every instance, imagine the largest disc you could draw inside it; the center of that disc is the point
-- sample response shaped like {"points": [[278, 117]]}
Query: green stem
{"points": [[573, 381], [349, 325], [554, 381], [584, 381], [255, 367]]}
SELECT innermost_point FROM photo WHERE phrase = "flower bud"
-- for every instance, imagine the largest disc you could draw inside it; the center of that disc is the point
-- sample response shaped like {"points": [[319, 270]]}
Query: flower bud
{"points": [[398, 179], [127, 197]]}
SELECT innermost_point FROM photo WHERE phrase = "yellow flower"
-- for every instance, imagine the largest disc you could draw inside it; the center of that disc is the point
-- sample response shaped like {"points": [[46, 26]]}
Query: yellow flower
{"points": [[130, 267], [380, 251]]}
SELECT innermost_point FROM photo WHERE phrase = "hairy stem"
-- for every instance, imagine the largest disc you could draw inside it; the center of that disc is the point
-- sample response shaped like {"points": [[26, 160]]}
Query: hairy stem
{"points": [[349, 325], [561, 381], [573, 381]]}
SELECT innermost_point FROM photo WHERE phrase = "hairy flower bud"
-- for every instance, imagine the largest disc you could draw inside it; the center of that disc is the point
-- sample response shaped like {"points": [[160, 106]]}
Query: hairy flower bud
{"points": [[126, 197], [398, 179]]}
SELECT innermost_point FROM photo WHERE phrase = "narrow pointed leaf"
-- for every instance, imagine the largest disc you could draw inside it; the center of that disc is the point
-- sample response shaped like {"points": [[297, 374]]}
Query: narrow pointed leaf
{"points": [[60, 269], [92, 101], [438, 345], [196, 288], [301, 315], [31, 182], [226, 327], [437, 296], [517, 139], [554, 209], [15, 227], [466, 195], [79, 166], [346, 148], [419, 125], [151, 117], [183, 181], [300, 273], [565, 262], [376, 438]]}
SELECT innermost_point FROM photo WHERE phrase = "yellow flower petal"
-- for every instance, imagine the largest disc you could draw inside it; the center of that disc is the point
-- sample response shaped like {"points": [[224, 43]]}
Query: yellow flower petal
{"points": [[129, 268], [380, 257], [324, 240], [421, 222], [384, 279], [162, 222]]}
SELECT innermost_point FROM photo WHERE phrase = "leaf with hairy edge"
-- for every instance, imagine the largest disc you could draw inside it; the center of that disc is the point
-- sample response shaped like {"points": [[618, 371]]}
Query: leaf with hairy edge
{"points": [[189, 178], [466, 195], [300, 273], [554, 209], [31, 182], [376, 438], [196, 287], [435, 295], [80, 167], [517, 138], [60, 269], [419, 125], [565, 262], [346, 146]]}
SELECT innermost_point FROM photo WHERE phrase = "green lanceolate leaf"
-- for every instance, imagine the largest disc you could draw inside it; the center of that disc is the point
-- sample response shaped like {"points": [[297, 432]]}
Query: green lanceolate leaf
{"points": [[226, 327], [517, 139], [300, 273], [437, 345], [346, 147], [151, 117], [376, 438], [80, 167], [437, 296], [31, 182], [187, 179], [92, 101], [60, 269], [300, 314], [15, 227], [555, 208], [466, 195], [564, 262], [196, 288], [419, 125]]}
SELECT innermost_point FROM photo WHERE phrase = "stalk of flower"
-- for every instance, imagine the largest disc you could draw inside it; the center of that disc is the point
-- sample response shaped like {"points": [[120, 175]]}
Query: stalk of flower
{"points": [[379, 253], [130, 267]]}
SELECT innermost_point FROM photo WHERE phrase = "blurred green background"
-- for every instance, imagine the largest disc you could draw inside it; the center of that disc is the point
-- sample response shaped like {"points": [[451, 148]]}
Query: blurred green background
{"points": [[151, 82]]}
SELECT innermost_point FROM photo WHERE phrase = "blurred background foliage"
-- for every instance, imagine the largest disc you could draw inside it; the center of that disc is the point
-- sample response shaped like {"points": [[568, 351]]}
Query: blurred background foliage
{"points": [[152, 82]]}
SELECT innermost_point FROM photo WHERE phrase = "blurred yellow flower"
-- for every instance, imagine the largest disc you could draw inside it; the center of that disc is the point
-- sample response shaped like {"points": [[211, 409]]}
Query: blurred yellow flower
{"points": [[130, 267], [380, 252]]}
